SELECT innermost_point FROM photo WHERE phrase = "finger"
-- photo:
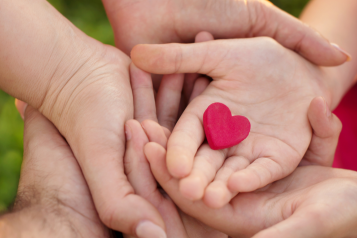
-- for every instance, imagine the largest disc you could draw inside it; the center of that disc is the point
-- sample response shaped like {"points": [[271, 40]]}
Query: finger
{"points": [[203, 36], [257, 175], [206, 164], [168, 100], [200, 86], [297, 226], [155, 132], [183, 144], [143, 94], [293, 34], [326, 130], [21, 107], [190, 79], [217, 193]]}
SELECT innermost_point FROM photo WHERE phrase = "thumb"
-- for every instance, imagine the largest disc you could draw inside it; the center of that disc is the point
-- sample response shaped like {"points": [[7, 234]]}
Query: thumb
{"points": [[326, 131], [200, 58]]}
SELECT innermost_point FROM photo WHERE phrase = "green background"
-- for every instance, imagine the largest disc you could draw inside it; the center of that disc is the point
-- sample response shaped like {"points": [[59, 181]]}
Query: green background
{"points": [[89, 16]]}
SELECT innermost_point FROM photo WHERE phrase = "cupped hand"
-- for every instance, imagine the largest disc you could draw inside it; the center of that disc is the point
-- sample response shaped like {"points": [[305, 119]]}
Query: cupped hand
{"points": [[161, 21], [52, 192], [257, 78], [313, 202], [137, 168]]}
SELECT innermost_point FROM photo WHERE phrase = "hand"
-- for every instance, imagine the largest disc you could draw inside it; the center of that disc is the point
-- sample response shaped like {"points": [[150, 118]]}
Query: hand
{"points": [[312, 202], [161, 21], [83, 88], [137, 168], [270, 85], [53, 198]]}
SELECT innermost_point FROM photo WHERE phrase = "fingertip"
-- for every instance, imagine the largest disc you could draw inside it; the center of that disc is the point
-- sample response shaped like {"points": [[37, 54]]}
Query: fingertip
{"points": [[21, 107], [216, 196], [148, 57], [178, 164], [203, 36]]}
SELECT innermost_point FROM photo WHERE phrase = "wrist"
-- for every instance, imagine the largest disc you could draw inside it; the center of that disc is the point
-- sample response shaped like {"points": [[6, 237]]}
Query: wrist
{"points": [[36, 221]]}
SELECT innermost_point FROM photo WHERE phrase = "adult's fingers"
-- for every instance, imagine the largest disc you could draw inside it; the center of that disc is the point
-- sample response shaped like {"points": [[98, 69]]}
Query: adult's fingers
{"points": [[200, 85], [293, 34], [143, 94], [168, 99], [326, 131]]}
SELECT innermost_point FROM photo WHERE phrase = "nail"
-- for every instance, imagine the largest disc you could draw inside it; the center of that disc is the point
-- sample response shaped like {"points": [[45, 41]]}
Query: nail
{"points": [[327, 109], [147, 229], [127, 132], [21, 107], [349, 57]]}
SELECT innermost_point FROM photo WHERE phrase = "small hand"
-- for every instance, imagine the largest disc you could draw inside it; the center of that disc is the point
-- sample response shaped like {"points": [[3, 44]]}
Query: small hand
{"points": [[312, 202], [271, 86]]}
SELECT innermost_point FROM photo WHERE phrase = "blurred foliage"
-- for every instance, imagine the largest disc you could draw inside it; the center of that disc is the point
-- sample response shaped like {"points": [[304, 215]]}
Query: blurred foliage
{"points": [[90, 17]]}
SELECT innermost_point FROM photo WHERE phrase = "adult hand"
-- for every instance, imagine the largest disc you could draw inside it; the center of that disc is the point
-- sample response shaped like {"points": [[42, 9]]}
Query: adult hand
{"points": [[53, 198], [161, 21], [312, 202], [258, 78], [83, 88]]}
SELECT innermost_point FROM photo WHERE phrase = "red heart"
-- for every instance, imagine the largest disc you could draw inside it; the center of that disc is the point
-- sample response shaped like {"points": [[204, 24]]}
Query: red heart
{"points": [[222, 129]]}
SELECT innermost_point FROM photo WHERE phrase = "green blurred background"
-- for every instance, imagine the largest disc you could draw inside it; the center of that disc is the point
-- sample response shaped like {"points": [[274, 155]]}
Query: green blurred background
{"points": [[89, 16]]}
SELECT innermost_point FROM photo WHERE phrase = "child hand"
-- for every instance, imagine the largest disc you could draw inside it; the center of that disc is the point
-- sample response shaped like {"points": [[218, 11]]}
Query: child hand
{"points": [[257, 78], [291, 207]]}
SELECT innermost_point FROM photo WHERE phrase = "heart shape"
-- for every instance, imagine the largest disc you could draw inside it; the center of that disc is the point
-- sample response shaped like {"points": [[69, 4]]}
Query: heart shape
{"points": [[222, 129]]}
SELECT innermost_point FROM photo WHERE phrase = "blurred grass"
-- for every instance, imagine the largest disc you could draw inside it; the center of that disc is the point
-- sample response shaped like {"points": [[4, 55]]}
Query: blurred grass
{"points": [[90, 17]]}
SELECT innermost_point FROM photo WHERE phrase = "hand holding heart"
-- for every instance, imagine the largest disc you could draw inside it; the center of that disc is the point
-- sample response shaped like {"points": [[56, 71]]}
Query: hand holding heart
{"points": [[257, 78]]}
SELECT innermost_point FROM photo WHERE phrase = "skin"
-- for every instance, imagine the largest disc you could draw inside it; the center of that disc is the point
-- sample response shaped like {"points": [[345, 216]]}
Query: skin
{"points": [[53, 198], [256, 78], [308, 203], [161, 21], [328, 17], [83, 88]]}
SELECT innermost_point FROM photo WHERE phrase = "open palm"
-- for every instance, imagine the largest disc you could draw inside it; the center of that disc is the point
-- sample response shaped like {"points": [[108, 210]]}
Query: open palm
{"points": [[270, 85]]}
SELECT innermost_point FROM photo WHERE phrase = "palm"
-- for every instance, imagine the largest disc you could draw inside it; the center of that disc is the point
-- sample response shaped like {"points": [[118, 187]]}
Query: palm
{"points": [[286, 206], [271, 86]]}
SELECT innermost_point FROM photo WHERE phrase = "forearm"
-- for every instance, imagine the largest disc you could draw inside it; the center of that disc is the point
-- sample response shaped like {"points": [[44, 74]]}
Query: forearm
{"points": [[39, 48], [337, 21]]}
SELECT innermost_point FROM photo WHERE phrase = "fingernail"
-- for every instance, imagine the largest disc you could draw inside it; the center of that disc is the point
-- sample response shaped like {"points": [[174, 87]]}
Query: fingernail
{"points": [[21, 107], [147, 229], [327, 110], [127, 132], [349, 57]]}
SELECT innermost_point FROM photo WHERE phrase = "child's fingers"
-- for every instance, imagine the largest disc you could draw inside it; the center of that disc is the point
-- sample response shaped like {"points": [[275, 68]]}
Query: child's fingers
{"points": [[168, 99], [155, 132], [183, 144], [143, 94], [258, 174], [217, 193], [326, 130], [136, 166], [205, 165], [200, 85]]}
